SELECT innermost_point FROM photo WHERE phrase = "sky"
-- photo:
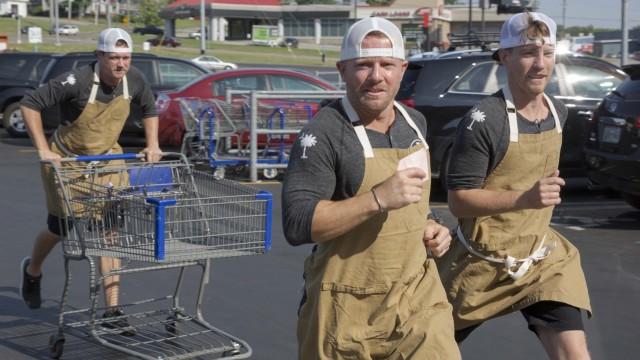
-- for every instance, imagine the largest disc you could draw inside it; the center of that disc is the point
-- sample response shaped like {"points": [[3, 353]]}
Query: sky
{"points": [[599, 13]]}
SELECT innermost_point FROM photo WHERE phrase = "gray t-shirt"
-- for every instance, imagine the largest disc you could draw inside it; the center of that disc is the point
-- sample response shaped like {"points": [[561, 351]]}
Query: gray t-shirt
{"points": [[477, 152], [333, 167], [72, 89]]}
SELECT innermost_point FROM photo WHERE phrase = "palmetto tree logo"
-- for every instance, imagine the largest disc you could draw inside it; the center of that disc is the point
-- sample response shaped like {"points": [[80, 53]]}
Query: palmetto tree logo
{"points": [[306, 141], [476, 116], [71, 80]]}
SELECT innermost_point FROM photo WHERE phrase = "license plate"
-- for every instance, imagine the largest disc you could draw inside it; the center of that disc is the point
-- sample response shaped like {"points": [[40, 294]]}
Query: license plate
{"points": [[611, 134]]}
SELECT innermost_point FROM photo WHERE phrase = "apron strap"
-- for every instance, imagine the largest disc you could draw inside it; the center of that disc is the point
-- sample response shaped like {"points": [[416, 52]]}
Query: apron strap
{"points": [[362, 133], [96, 84], [510, 262], [554, 113], [513, 118], [125, 88], [411, 123]]}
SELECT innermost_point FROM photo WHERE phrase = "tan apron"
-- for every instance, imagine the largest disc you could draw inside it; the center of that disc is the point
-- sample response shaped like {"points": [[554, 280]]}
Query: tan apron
{"points": [[372, 293], [94, 132], [503, 263]]}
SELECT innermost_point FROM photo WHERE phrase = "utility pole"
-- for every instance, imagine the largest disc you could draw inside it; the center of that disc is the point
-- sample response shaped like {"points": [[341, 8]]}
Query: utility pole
{"points": [[624, 56]]}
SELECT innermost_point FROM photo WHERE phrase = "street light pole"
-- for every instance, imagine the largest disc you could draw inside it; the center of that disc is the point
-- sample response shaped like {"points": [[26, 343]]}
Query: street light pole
{"points": [[19, 36], [469, 27], [625, 35], [108, 2], [564, 18], [57, 22], [355, 10], [203, 35]]}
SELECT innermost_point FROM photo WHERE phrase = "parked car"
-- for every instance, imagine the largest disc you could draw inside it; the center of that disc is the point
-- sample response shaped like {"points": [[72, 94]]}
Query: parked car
{"points": [[290, 42], [21, 73], [613, 146], [194, 35], [65, 30], [446, 87], [148, 30], [165, 41], [213, 63], [214, 86]]}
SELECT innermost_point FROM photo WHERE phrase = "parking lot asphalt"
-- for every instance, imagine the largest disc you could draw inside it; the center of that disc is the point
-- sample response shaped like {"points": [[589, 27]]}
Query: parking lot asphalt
{"points": [[255, 298]]}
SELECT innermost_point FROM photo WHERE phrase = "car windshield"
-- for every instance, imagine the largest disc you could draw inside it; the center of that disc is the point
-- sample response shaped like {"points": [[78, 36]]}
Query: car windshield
{"points": [[488, 77]]}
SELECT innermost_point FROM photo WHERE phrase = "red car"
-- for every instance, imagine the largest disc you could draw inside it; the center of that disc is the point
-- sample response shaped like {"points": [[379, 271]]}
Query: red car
{"points": [[213, 86]]}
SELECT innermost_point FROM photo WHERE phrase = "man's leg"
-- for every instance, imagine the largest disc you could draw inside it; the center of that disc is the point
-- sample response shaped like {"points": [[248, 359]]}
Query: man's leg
{"points": [[45, 242], [112, 291], [559, 327], [111, 283], [31, 268], [564, 345]]}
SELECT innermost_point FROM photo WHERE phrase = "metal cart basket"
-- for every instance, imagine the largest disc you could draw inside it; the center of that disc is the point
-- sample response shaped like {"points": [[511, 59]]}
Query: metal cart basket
{"points": [[155, 216]]}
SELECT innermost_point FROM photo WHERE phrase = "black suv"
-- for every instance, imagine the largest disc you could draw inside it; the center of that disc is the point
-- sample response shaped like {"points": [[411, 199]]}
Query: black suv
{"points": [[613, 147], [148, 29], [445, 87], [21, 73]]}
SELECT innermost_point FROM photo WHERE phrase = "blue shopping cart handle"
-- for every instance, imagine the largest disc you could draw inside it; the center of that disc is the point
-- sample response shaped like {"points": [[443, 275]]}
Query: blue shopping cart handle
{"points": [[88, 158]]}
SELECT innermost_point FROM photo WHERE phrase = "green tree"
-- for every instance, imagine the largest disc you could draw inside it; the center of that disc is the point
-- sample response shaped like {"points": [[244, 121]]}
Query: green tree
{"points": [[450, 2], [149, 11]]}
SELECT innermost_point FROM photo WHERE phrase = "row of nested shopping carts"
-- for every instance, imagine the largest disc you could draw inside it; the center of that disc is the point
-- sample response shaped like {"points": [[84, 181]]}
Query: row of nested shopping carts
{"points": [[217, 132], [155, 216]]}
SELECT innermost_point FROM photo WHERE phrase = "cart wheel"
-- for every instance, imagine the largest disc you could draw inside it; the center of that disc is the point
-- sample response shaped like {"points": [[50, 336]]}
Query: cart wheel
{"points": [[170, 325], [219, 173], [56, 346], [270, 173], [234, 351]]}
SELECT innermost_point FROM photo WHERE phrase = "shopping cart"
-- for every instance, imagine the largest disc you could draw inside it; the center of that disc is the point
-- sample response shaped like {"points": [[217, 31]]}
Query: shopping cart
{"points": [[155, 216]]}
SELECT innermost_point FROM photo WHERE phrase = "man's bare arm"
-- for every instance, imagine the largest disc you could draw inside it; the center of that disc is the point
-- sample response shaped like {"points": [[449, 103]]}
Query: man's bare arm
{"points": [[33, 120], [480, 202], [335, 218]]}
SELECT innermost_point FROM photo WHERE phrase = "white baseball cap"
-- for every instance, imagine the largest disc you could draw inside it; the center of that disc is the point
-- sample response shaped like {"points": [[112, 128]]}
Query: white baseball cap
{"points": [[109, 37], [352, 41], [514, 31]]}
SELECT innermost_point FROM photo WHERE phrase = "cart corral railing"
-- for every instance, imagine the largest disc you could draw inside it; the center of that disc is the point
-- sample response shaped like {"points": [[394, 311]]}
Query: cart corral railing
{"points": [[249, 128], [255, 97]]}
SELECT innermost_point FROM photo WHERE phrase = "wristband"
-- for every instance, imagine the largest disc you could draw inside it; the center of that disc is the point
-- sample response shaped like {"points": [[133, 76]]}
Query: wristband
{"points": [[375, 197]]}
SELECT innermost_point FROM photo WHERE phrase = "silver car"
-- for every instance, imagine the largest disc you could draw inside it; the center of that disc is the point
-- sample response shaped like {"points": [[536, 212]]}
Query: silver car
{"points": [[213, 63]]}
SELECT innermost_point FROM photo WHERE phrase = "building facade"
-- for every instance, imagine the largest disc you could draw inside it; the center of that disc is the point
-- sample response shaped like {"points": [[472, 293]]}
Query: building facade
{"points": [[425, 23]]}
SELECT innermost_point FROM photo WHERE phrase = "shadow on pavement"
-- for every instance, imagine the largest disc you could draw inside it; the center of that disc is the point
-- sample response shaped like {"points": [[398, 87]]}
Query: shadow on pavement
{"points": [[28, 331]]}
